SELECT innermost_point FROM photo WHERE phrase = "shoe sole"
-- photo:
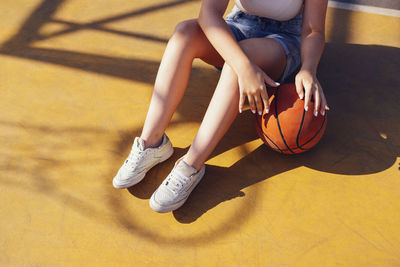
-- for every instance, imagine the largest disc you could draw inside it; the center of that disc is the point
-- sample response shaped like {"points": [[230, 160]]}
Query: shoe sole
{"points": [[164, 209], [139, 178]]}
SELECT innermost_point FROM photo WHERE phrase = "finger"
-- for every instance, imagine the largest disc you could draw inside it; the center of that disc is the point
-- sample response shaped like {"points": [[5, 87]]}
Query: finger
{"points": [[241, 102], [264, 97], [259, 103], [323, 106], [317, 101], [308, 92], [327, 107], [252, 104], [269, 81], [324, 103], [299, 88]]}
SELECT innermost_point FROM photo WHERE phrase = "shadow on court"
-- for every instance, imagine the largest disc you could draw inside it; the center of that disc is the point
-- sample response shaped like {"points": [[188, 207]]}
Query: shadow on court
{"points": [[361, 83], [362, 135]]}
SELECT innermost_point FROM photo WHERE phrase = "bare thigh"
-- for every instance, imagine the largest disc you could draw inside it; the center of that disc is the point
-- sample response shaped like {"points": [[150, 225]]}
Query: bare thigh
{"points": [[266, 53]]}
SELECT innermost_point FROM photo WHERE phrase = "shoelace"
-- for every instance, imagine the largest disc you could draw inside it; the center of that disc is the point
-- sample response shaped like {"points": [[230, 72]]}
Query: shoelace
{"points": [[176, 183], [134, 157]]}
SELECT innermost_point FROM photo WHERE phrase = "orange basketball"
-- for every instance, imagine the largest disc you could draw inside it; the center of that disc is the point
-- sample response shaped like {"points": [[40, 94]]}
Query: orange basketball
{"points": [[288, 128]]}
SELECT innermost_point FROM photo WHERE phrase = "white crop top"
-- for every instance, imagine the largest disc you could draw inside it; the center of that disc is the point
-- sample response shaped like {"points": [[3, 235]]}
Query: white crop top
{"points": [[274, 9]]}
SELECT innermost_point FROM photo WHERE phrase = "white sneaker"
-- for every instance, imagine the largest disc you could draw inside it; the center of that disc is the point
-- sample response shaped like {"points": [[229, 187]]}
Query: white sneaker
{"points": [[140, 161], [176, 188]]}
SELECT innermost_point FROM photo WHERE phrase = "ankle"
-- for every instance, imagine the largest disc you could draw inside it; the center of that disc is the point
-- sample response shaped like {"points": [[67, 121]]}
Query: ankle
{"points": [[152, 142], [193, 162]]}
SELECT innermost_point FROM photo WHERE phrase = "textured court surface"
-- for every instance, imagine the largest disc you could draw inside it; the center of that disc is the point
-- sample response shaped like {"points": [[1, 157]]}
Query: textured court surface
{"points": [[75, 81]]}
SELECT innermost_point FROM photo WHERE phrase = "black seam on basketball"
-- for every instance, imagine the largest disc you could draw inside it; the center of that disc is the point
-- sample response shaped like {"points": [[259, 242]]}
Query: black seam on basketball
{"points": [[284, 150], [277, 120], [267, 136], [301, 127], [320, 128]]}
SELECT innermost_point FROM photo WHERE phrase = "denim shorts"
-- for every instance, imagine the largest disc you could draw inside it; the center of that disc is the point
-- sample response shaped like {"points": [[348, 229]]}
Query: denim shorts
{"points": [[287, 33]]}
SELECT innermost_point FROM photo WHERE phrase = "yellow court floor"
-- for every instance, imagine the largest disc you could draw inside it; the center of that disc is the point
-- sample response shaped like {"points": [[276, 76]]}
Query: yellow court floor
{"points": [[75, 83]]}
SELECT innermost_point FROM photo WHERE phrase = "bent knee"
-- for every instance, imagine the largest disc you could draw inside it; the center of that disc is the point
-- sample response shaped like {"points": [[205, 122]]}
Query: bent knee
{"points": [[187, 29]]}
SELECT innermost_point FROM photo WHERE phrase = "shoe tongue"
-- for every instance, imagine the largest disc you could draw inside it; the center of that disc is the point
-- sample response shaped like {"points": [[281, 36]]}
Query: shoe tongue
{"points": [[139, 143], [185, 168]]}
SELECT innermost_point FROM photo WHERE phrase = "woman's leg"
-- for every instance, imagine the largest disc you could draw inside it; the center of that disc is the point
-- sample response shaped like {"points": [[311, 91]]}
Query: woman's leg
{"points": [[223, 108], [187, 42]]}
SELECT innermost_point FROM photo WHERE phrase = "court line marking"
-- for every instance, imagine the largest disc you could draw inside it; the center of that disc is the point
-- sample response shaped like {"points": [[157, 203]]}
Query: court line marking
{"points": [[365, 8]]}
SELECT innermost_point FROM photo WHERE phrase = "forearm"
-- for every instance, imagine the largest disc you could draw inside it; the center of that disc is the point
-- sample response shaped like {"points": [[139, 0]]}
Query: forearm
{"points": [[312, 46], [222, 39]]}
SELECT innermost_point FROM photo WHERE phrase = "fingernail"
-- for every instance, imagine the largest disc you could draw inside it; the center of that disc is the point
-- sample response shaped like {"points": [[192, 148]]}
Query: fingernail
{"points": [[260, 113], [266, 110], [315, 113], [306, 108], [254, 112], [301, 96], [276, 83], [240, 110], [323, 112]]}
